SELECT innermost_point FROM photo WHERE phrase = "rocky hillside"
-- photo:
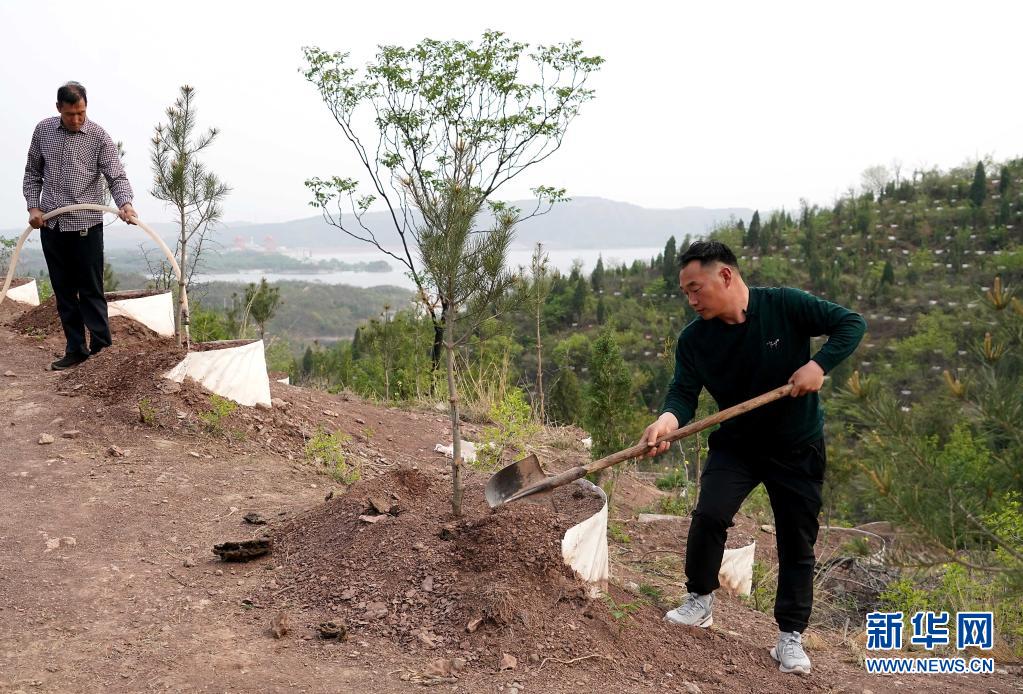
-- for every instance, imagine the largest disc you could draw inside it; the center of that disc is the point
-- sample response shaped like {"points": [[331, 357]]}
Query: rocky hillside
{"points": [[117, 484]]}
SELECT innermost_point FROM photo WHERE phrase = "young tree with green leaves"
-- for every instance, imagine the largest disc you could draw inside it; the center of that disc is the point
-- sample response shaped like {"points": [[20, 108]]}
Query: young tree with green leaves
{"points": [[978, 189], [669, 263], [577, 302], [608, 402], [505, 106], [262, 302], [110, 281], [539, 290], [888, 274], [597, 276], [6, 249], [566, 399], [307, 362], [467, 268], [184, 182]]}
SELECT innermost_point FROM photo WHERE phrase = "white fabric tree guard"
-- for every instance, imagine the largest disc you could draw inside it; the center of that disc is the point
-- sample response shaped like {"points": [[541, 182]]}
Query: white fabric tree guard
{"points": [[155, 311], [736, 572], [584, 546], [236, 373], [27, 293], [468, 451]]}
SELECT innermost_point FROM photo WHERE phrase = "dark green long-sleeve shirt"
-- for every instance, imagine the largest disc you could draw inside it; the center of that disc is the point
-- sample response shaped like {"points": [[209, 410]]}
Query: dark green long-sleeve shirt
{"points": [[738, 362]]}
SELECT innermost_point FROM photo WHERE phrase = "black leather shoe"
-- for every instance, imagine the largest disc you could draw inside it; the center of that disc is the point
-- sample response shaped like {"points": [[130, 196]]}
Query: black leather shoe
{"points": [[96, 349], [68, 360]]}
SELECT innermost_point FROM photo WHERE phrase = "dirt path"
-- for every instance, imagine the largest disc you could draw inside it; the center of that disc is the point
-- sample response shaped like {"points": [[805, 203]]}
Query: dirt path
{"points": [[108, 584]]}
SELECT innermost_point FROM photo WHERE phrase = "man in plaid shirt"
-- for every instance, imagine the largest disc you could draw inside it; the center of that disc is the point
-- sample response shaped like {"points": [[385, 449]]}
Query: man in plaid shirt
{"points": [[66, 159]]}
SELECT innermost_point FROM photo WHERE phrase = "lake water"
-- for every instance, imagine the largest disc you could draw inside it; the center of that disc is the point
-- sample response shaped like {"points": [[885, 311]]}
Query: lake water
{"points": [[562, 259]]}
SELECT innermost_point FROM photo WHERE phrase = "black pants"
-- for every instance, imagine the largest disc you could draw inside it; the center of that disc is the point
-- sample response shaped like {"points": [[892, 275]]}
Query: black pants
{"points": [[75, 262], [793, 480]]}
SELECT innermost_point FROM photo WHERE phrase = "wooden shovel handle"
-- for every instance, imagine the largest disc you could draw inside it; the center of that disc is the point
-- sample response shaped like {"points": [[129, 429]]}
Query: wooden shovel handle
{"points": [[688, 430], [639, 449]]}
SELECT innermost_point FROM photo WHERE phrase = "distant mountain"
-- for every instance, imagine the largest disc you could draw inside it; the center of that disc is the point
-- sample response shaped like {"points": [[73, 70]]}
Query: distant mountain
{"points": [[583, 222]]}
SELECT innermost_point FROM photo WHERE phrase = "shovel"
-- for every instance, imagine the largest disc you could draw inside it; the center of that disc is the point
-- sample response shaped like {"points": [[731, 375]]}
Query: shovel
{"points": [[525, 477]]}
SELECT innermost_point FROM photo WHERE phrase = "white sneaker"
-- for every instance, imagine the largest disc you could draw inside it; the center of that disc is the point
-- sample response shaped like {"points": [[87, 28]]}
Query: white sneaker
{"points": [[790, 654], [696, 611]]}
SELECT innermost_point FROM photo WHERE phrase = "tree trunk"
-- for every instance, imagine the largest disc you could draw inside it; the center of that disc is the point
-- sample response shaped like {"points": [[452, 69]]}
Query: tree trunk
{"points": [[438, 344], [456, 431], [539, 368], [181, 280]]}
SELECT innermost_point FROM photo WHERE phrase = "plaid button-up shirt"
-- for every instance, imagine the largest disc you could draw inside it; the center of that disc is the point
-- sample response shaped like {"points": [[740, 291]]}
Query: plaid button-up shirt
{"points": [[64, 168]]}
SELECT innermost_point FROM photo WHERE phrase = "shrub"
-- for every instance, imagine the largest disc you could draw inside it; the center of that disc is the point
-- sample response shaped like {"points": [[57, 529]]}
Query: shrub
{"points": [[327, 449], [764, 588], [513, 427], [212, 418], [617, 533], [147, 413], [676, 479]]}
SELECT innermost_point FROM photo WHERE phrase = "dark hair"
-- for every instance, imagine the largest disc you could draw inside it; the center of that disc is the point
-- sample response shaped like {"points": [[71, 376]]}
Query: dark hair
{"points": [[708, 252], [71, 93]]}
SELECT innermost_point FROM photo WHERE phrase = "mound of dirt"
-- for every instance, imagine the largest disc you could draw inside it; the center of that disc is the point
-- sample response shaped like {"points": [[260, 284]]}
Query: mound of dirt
{"points": [[43, 320], [39, 320], [123, 373], [415, 575], [480, 588]]}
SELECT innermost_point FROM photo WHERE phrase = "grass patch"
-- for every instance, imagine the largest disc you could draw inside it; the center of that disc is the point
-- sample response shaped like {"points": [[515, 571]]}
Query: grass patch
{"points": [[213, 418], [147, 412], [617, 533], [653, 593], [328, 450], [678, 505], [764, 588]]}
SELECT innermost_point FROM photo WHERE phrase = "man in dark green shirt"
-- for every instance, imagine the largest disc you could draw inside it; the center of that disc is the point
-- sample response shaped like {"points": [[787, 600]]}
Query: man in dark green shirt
{"points": [[747, 341]]}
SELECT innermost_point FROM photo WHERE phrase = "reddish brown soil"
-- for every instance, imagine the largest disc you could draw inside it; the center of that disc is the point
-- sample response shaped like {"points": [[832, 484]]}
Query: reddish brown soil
{"points": [[38, 320], [131, 294], [108, 582], [126, 373], [420, 576], [220, 344], [42, 321]]}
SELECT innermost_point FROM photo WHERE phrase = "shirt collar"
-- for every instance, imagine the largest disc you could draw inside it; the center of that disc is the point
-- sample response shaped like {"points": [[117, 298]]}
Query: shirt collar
{"points": [[86, 126], [754, 301]]}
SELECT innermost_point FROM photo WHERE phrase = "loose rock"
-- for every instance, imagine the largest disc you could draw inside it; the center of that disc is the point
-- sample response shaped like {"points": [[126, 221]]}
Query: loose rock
{"points": [[441, 667], [280, 625]]}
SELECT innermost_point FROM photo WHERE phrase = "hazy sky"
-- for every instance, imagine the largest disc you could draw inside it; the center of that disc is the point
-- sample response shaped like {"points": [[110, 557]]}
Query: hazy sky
{"points": [[709, 104]]}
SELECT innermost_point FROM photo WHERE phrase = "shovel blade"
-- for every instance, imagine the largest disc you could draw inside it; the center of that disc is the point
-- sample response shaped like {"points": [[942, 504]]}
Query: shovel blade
{"points": [[514, 478]]}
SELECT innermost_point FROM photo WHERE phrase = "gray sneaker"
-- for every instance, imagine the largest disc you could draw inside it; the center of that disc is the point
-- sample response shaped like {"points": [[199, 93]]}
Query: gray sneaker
{"points": [[790, 654], [696, 611]]}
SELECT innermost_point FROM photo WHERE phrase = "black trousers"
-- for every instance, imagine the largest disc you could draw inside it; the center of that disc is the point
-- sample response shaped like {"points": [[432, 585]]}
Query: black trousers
{"points": [[74, 260], [794, 480]]}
